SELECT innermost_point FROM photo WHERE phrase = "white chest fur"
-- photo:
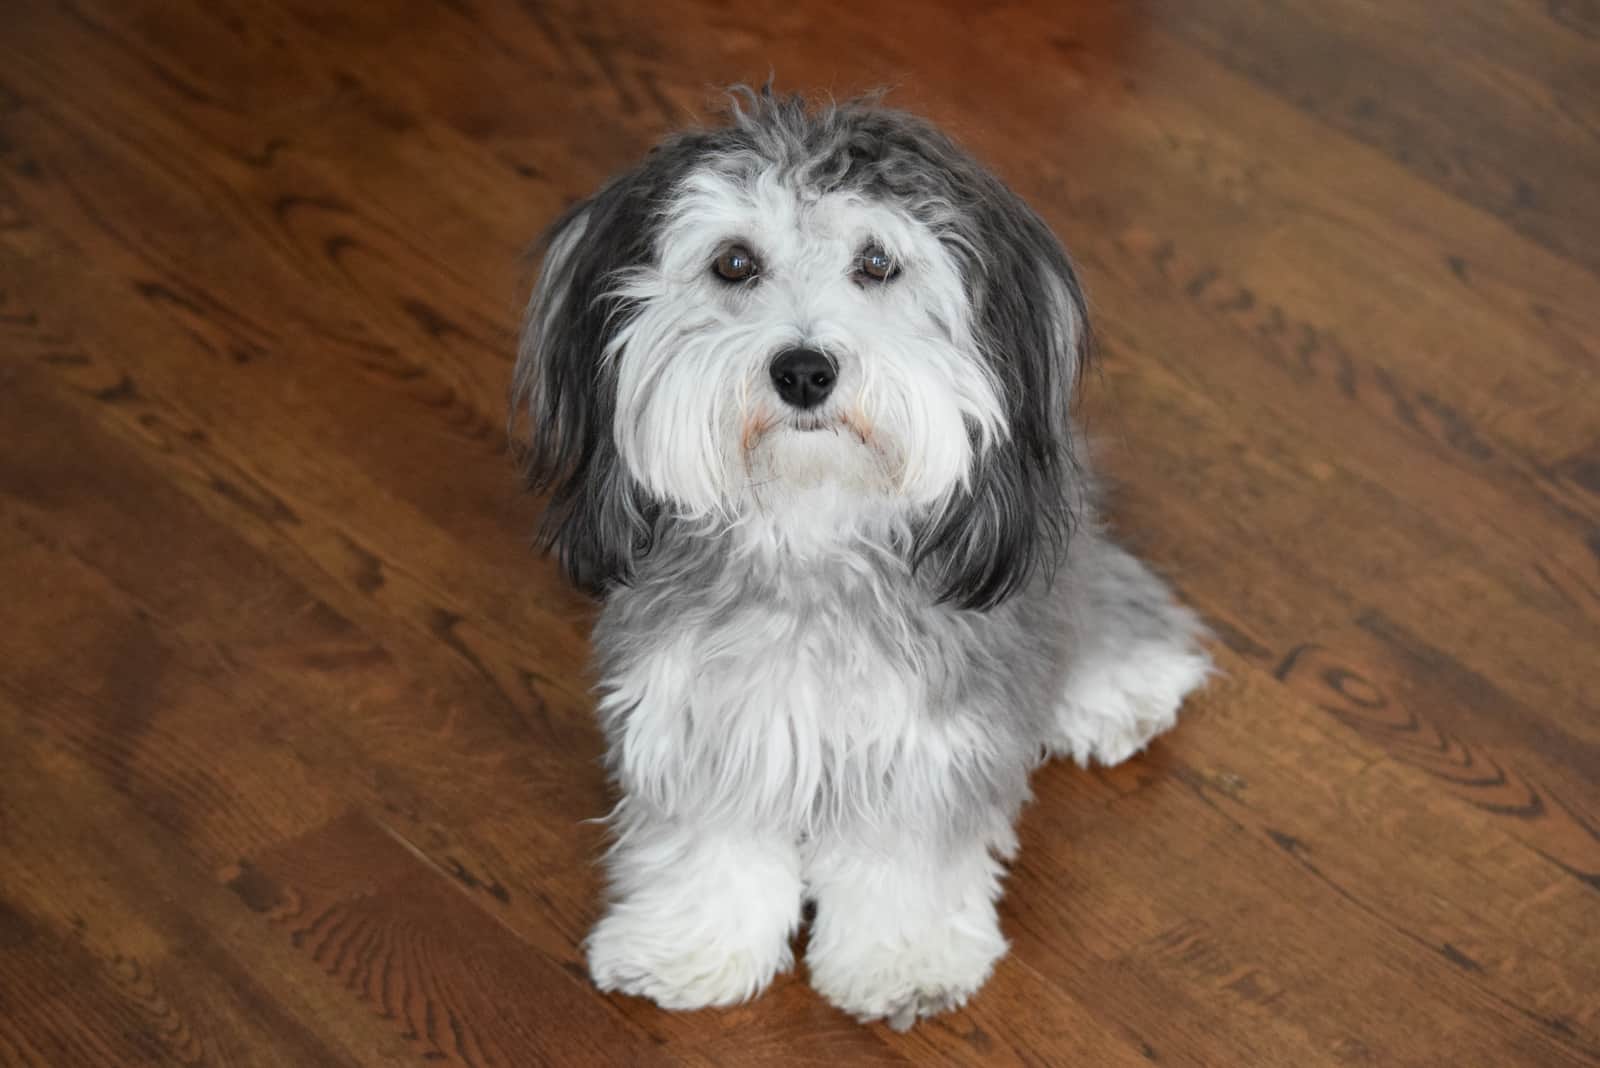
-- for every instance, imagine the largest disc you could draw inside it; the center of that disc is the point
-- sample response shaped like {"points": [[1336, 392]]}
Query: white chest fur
{"points": [[786, 710]]}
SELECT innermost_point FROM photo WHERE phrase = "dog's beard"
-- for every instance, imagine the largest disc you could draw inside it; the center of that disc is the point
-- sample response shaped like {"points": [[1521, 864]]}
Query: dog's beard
{"points": [[785, 451]]}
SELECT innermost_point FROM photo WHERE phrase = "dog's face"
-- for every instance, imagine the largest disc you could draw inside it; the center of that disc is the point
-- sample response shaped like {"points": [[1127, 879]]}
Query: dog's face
{"points": [[806, 328], [797, 350]]}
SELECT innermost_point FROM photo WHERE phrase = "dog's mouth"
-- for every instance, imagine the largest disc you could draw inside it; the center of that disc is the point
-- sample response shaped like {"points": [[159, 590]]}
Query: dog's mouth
{"points": [[840, 448], [843, 422]]}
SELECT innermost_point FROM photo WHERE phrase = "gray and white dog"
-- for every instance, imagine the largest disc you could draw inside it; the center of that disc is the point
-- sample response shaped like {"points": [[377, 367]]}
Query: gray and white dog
{"points": [[799, 389]]}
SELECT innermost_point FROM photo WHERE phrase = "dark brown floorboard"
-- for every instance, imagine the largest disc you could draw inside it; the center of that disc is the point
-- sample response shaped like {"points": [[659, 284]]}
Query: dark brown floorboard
{"points": [[296, 746]]}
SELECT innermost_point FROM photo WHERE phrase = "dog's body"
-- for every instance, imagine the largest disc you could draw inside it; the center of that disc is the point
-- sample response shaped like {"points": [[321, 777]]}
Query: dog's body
{"points": [[800, 386]]}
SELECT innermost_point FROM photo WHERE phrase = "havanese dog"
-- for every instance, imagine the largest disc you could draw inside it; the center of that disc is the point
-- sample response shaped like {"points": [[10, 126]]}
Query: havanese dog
{"points": [[799, 389]]}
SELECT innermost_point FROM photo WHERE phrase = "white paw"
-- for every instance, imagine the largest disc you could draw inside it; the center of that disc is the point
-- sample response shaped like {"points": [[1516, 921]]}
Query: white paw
{"points": [[900, 984], [678, 969], [1115, 706]]}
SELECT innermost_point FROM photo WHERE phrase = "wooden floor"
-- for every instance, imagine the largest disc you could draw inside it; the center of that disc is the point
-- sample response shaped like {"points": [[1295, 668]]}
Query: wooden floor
{"points": [[296, 746]]}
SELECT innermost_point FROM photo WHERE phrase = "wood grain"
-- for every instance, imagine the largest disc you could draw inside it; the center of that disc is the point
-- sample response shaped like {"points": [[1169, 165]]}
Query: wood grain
{"points": [[296, 741]]}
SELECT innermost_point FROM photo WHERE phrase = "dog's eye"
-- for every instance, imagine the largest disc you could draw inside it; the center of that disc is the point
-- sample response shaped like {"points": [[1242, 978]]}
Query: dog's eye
{"points": [[876, 265], [735, 264]]}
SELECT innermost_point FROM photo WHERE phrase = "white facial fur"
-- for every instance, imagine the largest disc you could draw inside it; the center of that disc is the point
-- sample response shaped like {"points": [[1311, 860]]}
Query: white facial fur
{"points": [[698, 422]]}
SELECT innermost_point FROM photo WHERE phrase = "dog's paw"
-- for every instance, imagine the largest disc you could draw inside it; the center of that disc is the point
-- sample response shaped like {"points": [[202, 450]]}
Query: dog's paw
{"points": [[680, 970], [1112, 710], [902, 985], [903, 1017]]}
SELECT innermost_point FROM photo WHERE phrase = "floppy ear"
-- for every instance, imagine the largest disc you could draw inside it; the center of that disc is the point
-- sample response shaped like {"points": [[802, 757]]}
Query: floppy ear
{"points": [[1032, 328], [598, 521]]}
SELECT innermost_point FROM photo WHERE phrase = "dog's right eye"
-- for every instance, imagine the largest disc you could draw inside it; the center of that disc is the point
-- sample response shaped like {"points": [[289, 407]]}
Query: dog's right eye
{"points": [[735, 264]]}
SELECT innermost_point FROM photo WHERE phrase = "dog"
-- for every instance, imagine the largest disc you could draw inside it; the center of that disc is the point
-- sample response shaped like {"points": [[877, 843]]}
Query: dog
{"points": [[799, 389]]}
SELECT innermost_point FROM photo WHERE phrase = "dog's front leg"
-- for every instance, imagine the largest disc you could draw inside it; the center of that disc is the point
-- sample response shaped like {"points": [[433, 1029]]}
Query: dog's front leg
{"points": [[906, 924], [700, 914]]}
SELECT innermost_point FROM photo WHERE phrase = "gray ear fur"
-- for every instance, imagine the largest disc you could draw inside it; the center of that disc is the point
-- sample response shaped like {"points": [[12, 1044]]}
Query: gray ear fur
{"points": [[598, 521]]}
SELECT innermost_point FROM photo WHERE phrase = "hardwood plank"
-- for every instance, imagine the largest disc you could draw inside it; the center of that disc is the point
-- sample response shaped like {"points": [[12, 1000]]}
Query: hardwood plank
{"points": [[1268, 841], [392, 931], [120, 950], [1525, 94], [296, 746]]}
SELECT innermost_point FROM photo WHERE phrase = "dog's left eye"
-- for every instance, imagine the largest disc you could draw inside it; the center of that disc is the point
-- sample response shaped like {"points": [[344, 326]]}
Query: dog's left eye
{"points": [[876, 265], [736, 264]]}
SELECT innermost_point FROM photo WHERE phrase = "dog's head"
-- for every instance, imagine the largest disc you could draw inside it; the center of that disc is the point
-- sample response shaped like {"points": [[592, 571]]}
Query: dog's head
{"points": [[804, 328]]}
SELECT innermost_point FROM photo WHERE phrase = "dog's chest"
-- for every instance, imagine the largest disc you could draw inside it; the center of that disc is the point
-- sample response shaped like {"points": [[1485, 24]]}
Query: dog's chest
{"points": [[836, 671], [786, 707], [824, 666]]}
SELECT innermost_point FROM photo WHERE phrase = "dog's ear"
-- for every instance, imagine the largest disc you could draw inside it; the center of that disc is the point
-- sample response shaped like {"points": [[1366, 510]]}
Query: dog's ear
{"points": [[1025, 491], [598, 521]]}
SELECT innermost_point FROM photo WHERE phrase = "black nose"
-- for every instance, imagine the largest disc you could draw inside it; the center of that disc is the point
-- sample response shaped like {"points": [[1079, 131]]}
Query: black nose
{"points": [[803, 377]]}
